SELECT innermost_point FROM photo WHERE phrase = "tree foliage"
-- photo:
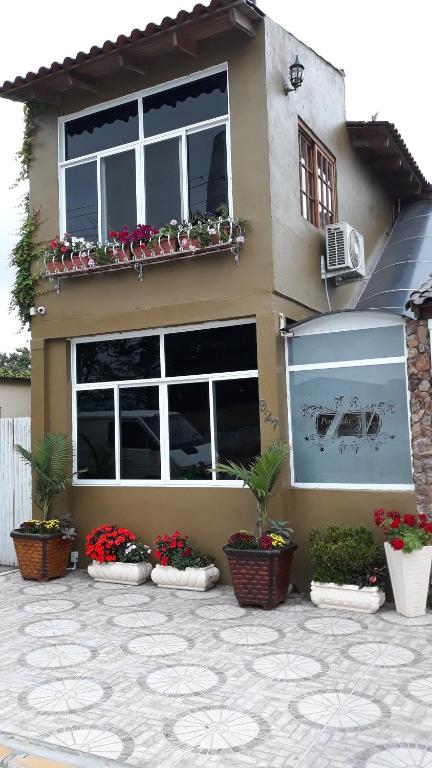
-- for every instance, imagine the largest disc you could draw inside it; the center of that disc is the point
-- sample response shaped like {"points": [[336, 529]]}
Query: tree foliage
{"points": [[16, 364]]}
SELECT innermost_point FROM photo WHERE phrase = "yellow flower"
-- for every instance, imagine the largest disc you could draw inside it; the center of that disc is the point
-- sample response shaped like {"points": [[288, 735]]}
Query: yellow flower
{"points": [[277, 541]]}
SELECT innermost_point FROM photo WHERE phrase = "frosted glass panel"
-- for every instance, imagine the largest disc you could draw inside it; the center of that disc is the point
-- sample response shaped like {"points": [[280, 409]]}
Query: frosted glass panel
{"points": [[350, 425], [362, 344]]}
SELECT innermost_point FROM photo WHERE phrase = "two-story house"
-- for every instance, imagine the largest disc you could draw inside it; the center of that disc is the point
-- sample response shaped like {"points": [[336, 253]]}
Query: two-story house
{"points": [[161, 365]]}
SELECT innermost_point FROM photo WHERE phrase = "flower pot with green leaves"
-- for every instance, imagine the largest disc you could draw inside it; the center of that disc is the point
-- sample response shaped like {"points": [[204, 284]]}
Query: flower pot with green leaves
{"points": [[43, 546], [181, 566], [348, 569], [164, 241], [408, 549], [118, 556], [261, 562]]}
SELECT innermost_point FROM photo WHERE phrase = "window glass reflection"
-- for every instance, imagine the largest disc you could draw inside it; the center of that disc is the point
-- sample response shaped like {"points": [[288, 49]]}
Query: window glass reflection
{"points": [[118, 359], [96, 437], [237, 425], [139, 433], [119, 191], [207, 170], [82, 201], [189, 431], [211, 350], [186, 104], [101, 130], [162, 182]]}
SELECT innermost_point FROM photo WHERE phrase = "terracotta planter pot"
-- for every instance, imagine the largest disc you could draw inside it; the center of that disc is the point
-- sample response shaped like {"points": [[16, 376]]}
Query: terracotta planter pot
{"points": [[261, 576], [165, 245], [140, 251], [41, 556], [187, 244]]}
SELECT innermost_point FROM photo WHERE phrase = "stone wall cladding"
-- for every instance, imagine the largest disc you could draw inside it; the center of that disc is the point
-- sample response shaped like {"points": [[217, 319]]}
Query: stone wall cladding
{"points": [[420, 388]]}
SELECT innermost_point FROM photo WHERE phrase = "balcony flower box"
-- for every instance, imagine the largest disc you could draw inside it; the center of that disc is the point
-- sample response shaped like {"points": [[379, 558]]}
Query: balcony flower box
{"points": [[347, 597]]}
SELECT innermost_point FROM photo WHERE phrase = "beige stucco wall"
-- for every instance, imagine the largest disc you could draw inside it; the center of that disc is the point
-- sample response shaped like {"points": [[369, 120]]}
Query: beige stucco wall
{"points": [[320, 104], [14, 398], [278, 273]]}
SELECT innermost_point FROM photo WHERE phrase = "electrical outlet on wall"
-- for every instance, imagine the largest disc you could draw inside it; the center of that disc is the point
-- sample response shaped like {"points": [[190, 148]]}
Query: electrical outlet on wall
{"points": [[74, 556]]}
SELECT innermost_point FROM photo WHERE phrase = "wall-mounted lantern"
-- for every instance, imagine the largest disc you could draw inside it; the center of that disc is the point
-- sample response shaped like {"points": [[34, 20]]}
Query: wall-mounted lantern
{"points": [[296, 76]]}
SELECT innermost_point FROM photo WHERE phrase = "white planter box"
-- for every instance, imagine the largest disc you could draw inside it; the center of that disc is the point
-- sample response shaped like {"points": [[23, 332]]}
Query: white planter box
{"points": [[198, 579], [120, 573], [347, 597], [409, 573]]}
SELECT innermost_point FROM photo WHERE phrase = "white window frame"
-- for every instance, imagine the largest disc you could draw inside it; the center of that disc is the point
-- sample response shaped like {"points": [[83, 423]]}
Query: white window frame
{"points": [[333, 323], [138, 147], [162, 382]]}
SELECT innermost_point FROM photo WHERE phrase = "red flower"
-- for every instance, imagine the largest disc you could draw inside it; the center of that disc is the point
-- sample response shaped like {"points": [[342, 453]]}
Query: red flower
{"points": [[157, 554], [112, 233], [265, 542], [428, 527], [53, 244], [173, 545], [393, 514], [395, 523], [409, 520], [398, 544], [379, 516], [64, 249], [164, 560], [187, 551]]}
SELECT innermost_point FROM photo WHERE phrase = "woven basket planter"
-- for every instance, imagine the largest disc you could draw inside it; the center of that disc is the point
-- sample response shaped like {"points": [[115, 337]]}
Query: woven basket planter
{"points": [[261, 576], [41, 556]]}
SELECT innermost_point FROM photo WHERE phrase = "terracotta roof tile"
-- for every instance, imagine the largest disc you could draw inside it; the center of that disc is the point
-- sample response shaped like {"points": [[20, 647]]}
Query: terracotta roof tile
{"points": [[151, 28]]}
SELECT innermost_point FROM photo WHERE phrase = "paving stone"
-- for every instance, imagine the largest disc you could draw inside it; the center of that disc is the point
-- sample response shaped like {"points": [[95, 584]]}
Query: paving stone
{"points": [[145, 676]]}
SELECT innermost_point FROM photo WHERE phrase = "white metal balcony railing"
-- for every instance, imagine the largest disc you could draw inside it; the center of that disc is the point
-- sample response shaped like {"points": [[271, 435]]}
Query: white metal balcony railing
{"points": [[226, 235]]}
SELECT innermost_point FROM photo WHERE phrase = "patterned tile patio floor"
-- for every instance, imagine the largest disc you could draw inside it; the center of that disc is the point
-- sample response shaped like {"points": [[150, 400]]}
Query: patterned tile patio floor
{"points": [[146, 677]]}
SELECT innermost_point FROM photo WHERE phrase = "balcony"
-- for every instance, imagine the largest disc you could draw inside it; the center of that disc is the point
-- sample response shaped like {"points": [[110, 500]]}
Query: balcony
{"points": [[142, 248]]}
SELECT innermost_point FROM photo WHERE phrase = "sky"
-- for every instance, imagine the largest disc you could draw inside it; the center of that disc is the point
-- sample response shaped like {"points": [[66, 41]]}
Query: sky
{"points": [[383, 46]]}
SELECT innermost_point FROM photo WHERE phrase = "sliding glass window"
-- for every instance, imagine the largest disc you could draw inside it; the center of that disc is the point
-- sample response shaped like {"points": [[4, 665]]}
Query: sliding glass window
{"points": [[165, 406], [159, 156]]}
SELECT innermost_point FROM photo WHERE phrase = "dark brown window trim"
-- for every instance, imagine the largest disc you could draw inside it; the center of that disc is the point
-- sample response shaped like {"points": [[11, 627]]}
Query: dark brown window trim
{"points": [[318, 180]]}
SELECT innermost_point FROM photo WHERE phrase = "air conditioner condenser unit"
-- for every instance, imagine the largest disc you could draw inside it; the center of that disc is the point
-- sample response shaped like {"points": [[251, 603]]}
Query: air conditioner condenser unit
{"points": [[344, 250]]}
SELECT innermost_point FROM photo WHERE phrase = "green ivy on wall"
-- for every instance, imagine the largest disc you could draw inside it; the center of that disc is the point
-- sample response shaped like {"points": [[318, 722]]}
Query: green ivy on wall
{"points": [[24, 252]]}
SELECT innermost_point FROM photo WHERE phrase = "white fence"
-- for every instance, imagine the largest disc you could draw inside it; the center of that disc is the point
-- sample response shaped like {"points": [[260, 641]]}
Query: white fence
{"points": [[15, 483]]}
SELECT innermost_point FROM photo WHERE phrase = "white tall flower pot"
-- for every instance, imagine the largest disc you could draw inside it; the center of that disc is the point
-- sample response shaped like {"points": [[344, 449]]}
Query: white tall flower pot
{"points": [[346, 597], [131, 574], [198, 579], [409, 573]]}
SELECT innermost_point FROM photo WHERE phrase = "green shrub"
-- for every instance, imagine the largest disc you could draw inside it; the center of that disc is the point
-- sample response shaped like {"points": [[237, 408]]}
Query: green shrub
{"points": [[344, 555]]}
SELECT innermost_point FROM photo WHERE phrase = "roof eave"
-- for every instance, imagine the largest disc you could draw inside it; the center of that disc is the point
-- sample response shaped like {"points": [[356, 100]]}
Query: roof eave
{"points": [[383, 149], [182, 35]]}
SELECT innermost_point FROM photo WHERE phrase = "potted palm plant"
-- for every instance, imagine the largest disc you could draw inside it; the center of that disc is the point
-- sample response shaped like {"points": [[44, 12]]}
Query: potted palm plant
{"points": [[43, 546], [261, 562]]}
